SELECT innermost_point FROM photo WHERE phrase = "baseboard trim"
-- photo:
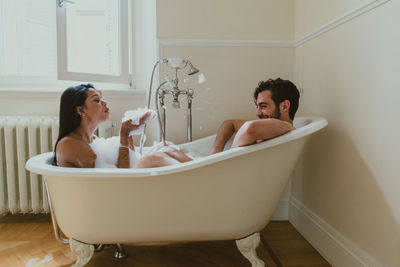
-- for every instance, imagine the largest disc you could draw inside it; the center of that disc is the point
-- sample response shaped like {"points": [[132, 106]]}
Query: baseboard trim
{"points": [[281, 212], [332, 245]]}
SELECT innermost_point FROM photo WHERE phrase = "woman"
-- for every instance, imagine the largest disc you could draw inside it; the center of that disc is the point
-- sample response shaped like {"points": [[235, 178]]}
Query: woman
{"points": [[81, 111]]}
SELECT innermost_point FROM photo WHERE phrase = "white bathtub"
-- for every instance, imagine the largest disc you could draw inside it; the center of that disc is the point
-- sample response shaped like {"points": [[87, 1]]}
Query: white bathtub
{"points": [[225, 196]]}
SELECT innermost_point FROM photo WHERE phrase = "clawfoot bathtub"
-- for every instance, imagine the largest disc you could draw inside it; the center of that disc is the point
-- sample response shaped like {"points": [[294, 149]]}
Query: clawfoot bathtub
{"points": [[226, 196]]}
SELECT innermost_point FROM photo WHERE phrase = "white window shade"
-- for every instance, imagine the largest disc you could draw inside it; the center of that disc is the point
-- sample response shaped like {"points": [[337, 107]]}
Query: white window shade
{"points": [[92, 41], [27, 38]]}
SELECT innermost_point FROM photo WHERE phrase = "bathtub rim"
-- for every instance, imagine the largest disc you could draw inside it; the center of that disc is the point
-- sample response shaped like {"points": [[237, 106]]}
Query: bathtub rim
{"points": [[38, 164]]}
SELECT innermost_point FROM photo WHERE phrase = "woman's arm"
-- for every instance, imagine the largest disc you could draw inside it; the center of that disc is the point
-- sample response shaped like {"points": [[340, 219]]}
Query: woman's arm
{"points": [[126, 142], [123, 153]]}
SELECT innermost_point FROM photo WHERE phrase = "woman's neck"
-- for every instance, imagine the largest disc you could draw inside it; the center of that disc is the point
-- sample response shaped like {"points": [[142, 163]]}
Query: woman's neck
{"points": [[85, 133]]}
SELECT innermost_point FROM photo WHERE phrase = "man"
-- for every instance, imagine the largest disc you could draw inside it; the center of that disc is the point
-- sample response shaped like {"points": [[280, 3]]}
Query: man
{"points": [[277, 102]]}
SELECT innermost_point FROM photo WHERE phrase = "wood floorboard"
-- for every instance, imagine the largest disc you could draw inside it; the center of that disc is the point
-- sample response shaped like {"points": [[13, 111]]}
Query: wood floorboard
{"points": [[290, 247], [25, 237]]}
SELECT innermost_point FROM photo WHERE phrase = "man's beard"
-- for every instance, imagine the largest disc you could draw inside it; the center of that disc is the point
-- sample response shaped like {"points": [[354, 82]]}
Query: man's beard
{"points": [[275, 115]]}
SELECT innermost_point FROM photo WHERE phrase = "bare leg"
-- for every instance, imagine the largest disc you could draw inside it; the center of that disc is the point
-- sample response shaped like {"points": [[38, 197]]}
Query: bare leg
{"points": [[157, 159], [178, 155], [247, 246]]}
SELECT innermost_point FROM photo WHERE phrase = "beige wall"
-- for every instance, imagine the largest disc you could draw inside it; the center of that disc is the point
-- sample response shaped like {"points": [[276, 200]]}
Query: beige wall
{"points": [[350, 174], [232, 72], [311, 14], [226, 19]]}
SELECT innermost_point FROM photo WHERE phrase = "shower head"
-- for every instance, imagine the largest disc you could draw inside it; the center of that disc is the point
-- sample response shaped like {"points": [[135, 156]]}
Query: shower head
{"points": [[178, 63], [192, 69]]}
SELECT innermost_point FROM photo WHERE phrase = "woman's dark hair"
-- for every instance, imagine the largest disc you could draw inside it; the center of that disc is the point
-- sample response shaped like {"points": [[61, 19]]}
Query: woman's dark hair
{"points": [[281, 90], [72, 97]]}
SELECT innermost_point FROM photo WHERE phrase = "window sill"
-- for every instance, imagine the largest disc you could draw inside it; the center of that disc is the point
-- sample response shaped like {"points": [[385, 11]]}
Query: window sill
{"points": [[56, 93], [49, 87]]}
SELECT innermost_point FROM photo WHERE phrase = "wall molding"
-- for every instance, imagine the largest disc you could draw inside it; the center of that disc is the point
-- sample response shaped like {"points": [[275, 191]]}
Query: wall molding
{"points": [[347, 16], [243, 43], [333, 246]]}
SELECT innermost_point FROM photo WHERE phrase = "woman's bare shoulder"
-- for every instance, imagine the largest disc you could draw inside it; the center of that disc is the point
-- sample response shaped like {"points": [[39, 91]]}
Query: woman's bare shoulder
{"points": [[72, 152]]}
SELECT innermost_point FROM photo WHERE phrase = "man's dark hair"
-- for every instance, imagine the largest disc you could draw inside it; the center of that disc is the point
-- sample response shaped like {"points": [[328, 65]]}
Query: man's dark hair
{"points": [[281, 90]]}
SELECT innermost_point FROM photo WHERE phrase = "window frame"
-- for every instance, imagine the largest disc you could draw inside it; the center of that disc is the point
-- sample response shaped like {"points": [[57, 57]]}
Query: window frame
{"points": [[126, 74], [1, 36]]}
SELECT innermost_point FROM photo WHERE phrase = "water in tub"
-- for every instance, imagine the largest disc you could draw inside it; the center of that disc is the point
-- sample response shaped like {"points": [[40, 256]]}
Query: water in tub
{"points": [[107, 149], [107, 152]]}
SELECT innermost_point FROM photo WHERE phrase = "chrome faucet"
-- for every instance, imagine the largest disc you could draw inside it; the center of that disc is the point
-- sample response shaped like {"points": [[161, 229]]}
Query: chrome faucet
{"points": [[175, 92]]}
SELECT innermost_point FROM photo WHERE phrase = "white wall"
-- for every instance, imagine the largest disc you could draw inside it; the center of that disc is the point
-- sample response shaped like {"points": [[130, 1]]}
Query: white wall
{"points": [[349, 176]]}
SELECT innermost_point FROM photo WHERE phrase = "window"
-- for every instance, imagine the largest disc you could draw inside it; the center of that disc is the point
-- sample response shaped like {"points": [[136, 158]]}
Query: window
{"points": [[27, 38], [92, 41], [83, 41]]}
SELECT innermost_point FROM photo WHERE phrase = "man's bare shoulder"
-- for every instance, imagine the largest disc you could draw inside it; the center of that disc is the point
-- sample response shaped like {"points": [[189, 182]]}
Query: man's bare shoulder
{"points": [[283, 123], [264, 129], [276, 123]]}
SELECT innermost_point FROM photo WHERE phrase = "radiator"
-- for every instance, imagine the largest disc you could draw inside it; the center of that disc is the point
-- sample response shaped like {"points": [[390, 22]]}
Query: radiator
{"points": [[21, 138]]}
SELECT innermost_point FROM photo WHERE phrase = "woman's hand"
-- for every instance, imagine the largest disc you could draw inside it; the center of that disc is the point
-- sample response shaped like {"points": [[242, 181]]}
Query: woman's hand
{"points": [[127, 127], [143, 118]]}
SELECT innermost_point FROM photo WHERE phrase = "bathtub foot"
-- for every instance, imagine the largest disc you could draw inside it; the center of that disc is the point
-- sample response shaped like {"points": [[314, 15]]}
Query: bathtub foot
{"points": [[121, 252], [247, 246], [98, 247], [83, 251]]}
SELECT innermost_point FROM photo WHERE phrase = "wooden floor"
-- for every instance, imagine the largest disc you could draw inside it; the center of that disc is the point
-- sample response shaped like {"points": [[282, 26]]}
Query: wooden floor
{"points": [[26, 237]]}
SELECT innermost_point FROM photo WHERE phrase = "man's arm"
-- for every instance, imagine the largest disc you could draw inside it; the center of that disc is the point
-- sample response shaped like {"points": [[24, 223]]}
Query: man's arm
{"points": [[262, 129], [225, 132]]}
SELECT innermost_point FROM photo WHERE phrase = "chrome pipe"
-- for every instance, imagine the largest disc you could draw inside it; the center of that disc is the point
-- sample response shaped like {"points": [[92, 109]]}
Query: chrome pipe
{"points": [[151, 81], [53, 217], [141, 142], [159, 100], [189, 114], [189, 123], [164, 138]]}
